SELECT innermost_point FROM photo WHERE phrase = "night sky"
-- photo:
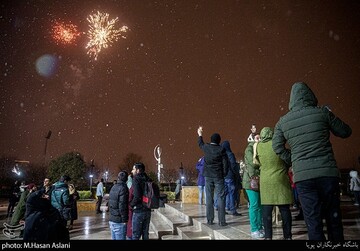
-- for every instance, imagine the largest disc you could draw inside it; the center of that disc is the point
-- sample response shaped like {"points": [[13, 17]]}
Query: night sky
{"points": [[220, 64]]}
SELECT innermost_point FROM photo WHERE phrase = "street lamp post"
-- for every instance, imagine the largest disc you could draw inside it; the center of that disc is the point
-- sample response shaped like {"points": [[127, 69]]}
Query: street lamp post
{"points": [[91, 173], [182, 176], [46, 143], [91, 178], [157, 156], [106, 175]]}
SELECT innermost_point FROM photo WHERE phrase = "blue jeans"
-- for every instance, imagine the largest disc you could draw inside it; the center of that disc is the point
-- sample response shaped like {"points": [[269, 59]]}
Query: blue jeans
{"points": [[140, 224], [230, 195], [320, 197], [118, 230], [201, 192]]}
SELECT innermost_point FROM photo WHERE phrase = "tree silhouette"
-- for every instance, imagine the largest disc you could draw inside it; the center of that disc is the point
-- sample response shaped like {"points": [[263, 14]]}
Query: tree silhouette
{"points": [[6, 165], [129, 161], [71, 164]]}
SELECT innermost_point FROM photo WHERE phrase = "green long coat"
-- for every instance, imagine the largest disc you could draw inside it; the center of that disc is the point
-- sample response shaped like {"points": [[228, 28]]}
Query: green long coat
{"points": [[251, 169], [20, 209], [275, 188]]}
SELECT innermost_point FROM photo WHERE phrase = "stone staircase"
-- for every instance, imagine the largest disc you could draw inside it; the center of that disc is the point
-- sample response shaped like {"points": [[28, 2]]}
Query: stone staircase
{"points": [[187, 221], [173, 222], [165, 222]]}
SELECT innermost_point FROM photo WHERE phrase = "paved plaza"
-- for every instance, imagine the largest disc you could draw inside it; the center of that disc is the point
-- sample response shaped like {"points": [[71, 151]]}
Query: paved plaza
{"points": [[188, 221]]}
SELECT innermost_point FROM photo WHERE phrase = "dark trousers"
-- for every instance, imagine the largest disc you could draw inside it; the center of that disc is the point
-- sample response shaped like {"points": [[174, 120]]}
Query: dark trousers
{"points": [[285, 216], [217, 185], [357, 197], [12, 203], [98, 204], [141, 224], [321, 196]]}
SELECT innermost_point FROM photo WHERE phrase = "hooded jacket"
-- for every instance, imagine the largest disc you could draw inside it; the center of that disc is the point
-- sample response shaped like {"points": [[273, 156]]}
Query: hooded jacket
{"points": [[306, 129], [60, 195], [139, 188], [200, 169], [251, 169], [233, 173], [275, 188]]}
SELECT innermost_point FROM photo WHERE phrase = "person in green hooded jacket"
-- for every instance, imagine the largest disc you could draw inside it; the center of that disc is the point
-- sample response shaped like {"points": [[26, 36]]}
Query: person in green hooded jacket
{"points": [[302, 139]]}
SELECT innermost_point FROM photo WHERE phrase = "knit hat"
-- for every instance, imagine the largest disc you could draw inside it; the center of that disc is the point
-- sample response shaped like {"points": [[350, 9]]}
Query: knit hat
{"points": [[215, 138]]}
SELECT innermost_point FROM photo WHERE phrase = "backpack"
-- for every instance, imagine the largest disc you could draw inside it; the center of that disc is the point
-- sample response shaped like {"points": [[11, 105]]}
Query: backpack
{"points": [[151, 196]]}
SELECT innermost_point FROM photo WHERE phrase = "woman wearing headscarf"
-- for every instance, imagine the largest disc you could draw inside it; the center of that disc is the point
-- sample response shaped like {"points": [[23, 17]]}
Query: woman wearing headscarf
{"points": [[275, 187]]}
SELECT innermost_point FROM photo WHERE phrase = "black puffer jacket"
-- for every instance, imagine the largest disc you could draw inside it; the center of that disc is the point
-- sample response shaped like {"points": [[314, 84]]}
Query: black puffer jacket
{"points": [[119, 202], [306, 128]]}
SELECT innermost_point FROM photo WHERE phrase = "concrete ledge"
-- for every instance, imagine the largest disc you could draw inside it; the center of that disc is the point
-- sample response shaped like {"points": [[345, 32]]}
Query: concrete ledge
{"points": [[190, 194], [86, 205]]}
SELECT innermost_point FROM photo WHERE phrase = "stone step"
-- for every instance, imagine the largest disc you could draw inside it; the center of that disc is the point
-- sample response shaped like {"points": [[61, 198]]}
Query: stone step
{"points": [[172, 218], [170, 237], [159, 226], [152, 233], [196, 236], [229, 232], [176, 210], [193, 233]]}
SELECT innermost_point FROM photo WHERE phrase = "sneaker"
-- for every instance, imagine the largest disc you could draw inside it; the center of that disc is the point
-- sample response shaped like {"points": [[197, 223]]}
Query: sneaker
{"points": [[356, 204], [257, 235]]}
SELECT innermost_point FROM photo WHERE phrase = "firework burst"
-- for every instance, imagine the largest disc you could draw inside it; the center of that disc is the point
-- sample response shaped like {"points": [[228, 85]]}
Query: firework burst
{"points": [[65, 33], [102, 33]]}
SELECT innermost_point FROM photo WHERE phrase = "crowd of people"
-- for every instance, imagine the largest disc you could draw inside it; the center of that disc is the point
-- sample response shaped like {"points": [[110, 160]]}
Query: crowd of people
{"points": [[295, 165], [293, 162], [39, 212]]}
